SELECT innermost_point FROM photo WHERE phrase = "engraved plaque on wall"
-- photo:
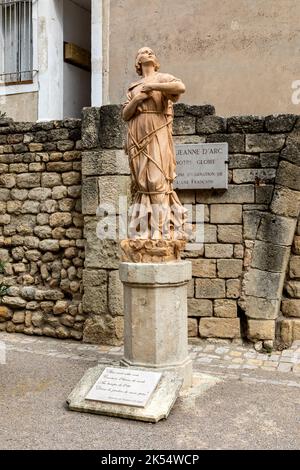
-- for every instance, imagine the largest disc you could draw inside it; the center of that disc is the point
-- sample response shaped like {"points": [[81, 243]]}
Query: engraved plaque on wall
{"points": [[201, 166]]}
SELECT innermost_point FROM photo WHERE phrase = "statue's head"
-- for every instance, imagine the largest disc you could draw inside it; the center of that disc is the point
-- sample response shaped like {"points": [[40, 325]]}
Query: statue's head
{"points": [[144, 55]]}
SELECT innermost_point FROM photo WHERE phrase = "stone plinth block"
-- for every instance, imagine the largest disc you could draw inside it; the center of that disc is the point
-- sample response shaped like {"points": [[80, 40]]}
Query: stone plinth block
{"points": [[158, 407], [219, 327], [155, 316], [261, 329]]}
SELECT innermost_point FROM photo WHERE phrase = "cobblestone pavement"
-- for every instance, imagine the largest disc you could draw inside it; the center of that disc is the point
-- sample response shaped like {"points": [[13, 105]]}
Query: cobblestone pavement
{"points": [[216, 358]]}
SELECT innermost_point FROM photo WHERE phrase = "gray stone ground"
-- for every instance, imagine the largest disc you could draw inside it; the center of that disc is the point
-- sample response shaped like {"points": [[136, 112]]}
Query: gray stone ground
{"points": [[253, 401]]}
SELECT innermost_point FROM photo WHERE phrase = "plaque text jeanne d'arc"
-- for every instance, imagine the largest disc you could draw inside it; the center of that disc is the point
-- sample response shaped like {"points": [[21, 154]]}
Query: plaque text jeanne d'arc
{"points": [[201, 166]]}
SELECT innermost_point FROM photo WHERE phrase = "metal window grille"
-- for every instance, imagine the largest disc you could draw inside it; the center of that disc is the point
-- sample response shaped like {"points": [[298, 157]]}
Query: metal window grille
{"points": [[16, 41]]}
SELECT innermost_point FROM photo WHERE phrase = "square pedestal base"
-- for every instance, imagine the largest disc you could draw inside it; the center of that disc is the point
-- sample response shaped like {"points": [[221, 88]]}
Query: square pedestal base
{"points": [[158, 407]]}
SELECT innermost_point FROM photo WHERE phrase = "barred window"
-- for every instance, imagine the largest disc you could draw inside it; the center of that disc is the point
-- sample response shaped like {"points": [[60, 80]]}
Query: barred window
{"points": [[16, 41]]}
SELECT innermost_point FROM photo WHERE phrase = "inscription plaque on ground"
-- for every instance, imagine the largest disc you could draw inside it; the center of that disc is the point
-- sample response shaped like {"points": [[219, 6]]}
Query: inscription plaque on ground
{"points": [[201, 166], [124, 386]]}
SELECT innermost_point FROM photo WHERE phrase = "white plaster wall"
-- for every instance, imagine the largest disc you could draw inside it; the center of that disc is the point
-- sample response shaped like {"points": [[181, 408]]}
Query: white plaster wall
{"points": [[76, 81]]}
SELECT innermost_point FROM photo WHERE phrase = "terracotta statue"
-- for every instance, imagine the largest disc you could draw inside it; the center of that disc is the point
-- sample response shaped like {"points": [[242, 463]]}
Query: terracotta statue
{"points": [[157, 218]]}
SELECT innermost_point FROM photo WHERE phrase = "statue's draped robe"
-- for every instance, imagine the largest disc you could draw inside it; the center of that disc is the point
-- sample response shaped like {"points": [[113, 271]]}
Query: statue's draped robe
{"points": [[156, 211]]}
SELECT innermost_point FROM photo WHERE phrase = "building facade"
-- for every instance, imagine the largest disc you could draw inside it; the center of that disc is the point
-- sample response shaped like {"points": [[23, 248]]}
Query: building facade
{"points": [[240, 55]]}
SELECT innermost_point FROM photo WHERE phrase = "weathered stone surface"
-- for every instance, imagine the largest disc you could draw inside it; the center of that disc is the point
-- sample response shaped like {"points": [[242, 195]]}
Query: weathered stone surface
{"points": [[234, 194], [263, 194], [225, 308], [263, 284], [285, 202], [94, 277], [230, 233], [204, 268], [264, 142], [191, 288], [5, 313], [236, 142], [43, 231], [7, 181], [243, 160], [95, 298], [111, 188], [296, 329], [218, 250], [270, 257], [71, 178], [286, 331], [229, 268], [288, 175], [229, 214], [28, 180], [30, 207], [59, 219], [291, 307], [59, 192], [99, 253], [183, 125], [262, 175], [20, 194], [115, 294], [4, 194], [62, 332], [245, 124], [274, 227], [280, 122], [90, 195], [90, 127], [269, 159], [210, 125], [251, 223], [101, 329], [261, 329], [200, 308], [293, 289], [219, 327], [49, 180], [18, 317], [113, 128], [210, 233], [60, 307], [49, 245], [294, 267], [39, 194], [260, 308], [105, 162], [210, 288], [195, 110], [296, 245], [14, 302], [291, 152], [37, 319], [233, 288], [192, 327]]}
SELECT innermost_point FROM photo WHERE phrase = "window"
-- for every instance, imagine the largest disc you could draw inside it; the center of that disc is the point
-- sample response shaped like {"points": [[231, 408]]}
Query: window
{"points": [[16, 41]]}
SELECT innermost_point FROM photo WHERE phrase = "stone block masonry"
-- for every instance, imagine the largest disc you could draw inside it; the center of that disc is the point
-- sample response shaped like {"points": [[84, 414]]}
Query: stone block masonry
{"points": [[248, 230], [41, 228], [245, 277]]}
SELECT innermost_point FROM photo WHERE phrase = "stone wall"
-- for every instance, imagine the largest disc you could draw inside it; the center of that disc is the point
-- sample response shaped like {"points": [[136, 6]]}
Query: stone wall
{"points": [[41, 242], [245, 277], [290, 307], [239, 273]]}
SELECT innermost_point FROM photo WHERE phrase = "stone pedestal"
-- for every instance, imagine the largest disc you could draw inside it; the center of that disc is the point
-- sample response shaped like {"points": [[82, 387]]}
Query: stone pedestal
{"points": [[155, 310]]}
